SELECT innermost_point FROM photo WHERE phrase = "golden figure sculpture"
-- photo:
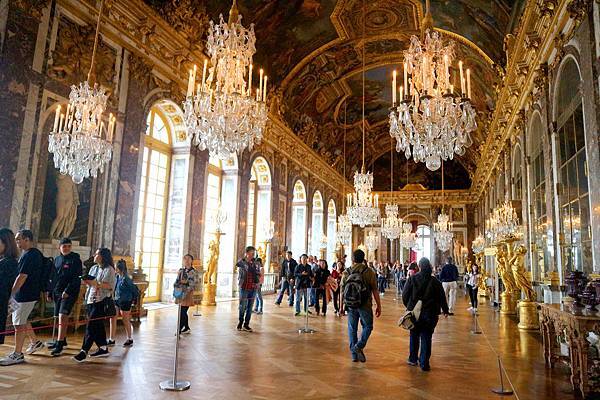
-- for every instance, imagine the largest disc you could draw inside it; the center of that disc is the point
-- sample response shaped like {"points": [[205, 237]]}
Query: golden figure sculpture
{"points": [[261, 253], [503, 270], [517, 265], [210, 276], [481, 268]]}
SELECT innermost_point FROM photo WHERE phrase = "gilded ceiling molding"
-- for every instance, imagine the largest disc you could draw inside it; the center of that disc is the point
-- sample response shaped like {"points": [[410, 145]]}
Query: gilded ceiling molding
{"points": [[428, 197], [519, 81], [285, 142], [138, 28], [31, 7]]}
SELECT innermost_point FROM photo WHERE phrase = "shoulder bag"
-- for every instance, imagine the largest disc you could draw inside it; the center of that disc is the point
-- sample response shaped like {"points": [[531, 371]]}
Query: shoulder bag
{"points": [[410, 317]]}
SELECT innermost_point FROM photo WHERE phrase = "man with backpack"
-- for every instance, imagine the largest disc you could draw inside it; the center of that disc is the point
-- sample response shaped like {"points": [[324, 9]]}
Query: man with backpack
{"points": [[359, 286], [65, 283], [428, 290], [26, 292]]}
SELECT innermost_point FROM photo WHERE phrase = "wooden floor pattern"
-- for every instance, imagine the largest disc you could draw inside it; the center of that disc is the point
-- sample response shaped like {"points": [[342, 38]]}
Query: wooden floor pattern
{"points": [[275, 362]]}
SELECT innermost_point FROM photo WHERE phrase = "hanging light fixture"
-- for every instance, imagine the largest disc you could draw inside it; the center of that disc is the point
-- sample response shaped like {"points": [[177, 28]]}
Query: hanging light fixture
{"points": [[344, 225], [430, 121], [442, 229], [222, 113], [408, 238], [503, 224], [478, 244], [391, 224], [80, 141], [363, 205]]}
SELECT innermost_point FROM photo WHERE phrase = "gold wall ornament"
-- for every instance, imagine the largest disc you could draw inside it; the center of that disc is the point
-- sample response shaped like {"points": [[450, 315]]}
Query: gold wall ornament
{"points": [[32, 7]]}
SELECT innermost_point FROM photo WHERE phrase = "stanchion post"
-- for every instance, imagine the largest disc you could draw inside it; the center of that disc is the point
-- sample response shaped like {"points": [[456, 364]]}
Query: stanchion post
{"points": [[306, 329], [53, 330], [197, 312], [475, 330], [502, 391], [174, 385]]}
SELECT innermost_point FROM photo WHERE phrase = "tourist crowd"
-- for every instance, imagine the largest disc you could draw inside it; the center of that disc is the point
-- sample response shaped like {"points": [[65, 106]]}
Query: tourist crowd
{"points": [[309, 284]]}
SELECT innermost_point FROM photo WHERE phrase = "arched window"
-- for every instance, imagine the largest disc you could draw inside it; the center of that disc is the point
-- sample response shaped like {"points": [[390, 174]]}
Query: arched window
{"points": [[331, 231], [152, 203], [539, 235], [317, 224], [517, 175], [299, 219], [574, 203], [259, 206], [424, 242]]}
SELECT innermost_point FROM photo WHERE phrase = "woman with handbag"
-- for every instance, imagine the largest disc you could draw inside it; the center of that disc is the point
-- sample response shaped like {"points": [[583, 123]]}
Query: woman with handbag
{"points": [[100, 281], [473, 278], [183, 292], [424, 297]]}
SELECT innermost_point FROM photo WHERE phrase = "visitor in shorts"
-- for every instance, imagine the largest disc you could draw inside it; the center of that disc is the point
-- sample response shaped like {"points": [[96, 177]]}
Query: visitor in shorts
{"points": [[125, 293], [65, 283], [26, 292]]}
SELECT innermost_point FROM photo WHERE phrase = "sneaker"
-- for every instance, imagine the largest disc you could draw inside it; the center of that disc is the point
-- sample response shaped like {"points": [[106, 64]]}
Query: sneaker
{"points": [[80, 357], [33, 347], [360, 354], [110, 342], [12, 359], [186, 329], [53, 345], [309, 312], [100, 353], [450, 313], [247, 328], [412, 363], [57, 351], [239, 326], [128, 343], [469, 309], [296, 314], [354, 357], [426, 368]]}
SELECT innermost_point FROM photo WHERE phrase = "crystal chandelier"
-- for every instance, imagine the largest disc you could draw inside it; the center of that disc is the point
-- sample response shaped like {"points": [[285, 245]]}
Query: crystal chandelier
{"points": [[478, 244], [222, 113], [503, 223], [430, 122], [442, 229], [363, 205], [408, 238], [80, 141], [391, 224], [344, 225], [372, 241]]}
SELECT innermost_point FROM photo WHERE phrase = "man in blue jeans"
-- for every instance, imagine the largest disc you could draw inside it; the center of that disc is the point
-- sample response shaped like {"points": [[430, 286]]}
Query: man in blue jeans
{"points": [[303, 278], [248, 282], [423, 286], [363, 313], [286, 275]]}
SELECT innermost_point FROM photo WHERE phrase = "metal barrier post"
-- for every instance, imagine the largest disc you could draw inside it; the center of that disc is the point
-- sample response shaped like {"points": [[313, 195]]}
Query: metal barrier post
{"points": [[501, 390], [173, 384], [306, 329]]}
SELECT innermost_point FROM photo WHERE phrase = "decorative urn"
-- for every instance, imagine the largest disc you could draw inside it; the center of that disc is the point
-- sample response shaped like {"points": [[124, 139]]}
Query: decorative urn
{"points": [[576, 282]]}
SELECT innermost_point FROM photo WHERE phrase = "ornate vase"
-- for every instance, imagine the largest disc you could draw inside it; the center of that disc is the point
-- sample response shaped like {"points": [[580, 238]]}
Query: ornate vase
{"points": [[576, 282], [588, 297]]}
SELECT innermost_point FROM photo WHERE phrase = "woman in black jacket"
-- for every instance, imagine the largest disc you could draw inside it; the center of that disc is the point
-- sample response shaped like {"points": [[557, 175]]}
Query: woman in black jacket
{"points": [[423, 286], [8, 273]]}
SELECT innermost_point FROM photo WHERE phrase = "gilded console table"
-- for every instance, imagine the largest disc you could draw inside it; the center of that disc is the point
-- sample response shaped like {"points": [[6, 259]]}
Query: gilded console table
{"points": [[558, 320]]}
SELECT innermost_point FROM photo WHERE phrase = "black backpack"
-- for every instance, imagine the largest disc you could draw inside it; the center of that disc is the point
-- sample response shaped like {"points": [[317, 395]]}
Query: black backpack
{"points": [[355, 289]]}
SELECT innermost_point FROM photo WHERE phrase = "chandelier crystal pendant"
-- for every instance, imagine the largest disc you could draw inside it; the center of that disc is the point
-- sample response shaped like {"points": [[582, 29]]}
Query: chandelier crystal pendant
{"points": [[363, 205], [442, 229], [223, 113], [80, 140], [431, 122], [408, 238]]}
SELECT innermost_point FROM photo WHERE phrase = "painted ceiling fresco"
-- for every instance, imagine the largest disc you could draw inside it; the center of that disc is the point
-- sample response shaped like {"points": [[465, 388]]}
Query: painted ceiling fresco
{"points": [[312, 51], [455, 175]]}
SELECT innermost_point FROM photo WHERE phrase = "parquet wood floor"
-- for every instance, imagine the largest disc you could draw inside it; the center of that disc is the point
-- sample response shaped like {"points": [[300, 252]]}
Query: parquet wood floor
{"points": [[275, 362]]}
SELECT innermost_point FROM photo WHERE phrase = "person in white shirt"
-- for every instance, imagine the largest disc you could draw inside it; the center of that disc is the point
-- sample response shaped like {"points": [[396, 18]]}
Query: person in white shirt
{"points": [[473, 278]]}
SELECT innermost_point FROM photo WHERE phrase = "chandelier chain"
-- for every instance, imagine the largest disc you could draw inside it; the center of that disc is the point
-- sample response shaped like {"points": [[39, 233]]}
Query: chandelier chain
{"points": [[91, 73]]}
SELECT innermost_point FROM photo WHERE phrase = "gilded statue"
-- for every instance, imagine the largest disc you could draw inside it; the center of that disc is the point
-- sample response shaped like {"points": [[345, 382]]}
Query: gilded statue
{"points": [[517, 265], [503, 270], [457, 252], [210, 276], [481, 264], [261, 253], [67, 200]]}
